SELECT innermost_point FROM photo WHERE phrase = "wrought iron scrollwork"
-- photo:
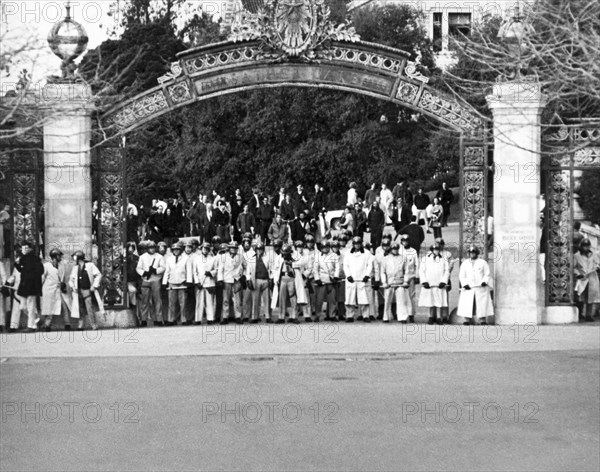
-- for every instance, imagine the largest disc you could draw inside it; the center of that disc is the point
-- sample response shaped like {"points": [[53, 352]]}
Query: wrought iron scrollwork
{"points": [[112, 222]]}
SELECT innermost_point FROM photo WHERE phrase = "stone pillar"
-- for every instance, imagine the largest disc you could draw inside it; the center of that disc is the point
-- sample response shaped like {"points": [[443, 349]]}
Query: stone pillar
{"points": [[518, 294], [67, 178]]}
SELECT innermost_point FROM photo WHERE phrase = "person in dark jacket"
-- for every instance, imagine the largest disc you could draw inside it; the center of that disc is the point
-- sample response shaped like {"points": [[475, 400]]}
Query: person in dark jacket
{"points": [[300, 227], [376, 223], [30, 287], [415, 233], [265, 218], [446, 198]]}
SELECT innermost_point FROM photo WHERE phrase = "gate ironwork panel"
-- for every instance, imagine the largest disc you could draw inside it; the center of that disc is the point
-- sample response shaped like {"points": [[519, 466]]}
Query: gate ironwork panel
{"points": [[567, 151], [109, 165], [474, 196], [21, 169]]}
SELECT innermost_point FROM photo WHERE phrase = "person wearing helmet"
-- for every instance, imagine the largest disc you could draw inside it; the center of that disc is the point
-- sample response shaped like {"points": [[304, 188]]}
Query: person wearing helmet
{"points": [[474, 298], [586, 266], [53, 286], [220, 252], [216, 244], [161, 247], [394, 285], [231, 278], [288, 285], [358, 266], [304, 270], [85, 279], [151, 267], [248, 254], [190, 247], [411, 273], [378, 291], [309, 256], [259, 274], [204, 271], [177, 276], [326, 274], [434, 274], [451, 261]]}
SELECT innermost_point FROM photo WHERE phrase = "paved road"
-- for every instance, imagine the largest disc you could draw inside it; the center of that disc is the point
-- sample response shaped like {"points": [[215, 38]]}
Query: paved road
{"points": [[518, 411]]}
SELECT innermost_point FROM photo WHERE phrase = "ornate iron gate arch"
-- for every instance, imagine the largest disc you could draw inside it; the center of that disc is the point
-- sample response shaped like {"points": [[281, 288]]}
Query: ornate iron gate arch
{"points": [[263, 52]]}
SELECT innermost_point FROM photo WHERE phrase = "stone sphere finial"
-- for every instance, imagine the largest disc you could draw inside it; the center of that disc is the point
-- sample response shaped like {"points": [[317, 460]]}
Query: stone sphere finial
{"points": [[68, 40]]}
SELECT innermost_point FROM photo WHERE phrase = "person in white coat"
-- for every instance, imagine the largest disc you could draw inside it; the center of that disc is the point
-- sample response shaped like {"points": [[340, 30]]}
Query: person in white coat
{"points": [[53, 286], [395, 286], [434, 273], [358, 266], [474, 298], [204, 272], [84, 282], [177, 276]]}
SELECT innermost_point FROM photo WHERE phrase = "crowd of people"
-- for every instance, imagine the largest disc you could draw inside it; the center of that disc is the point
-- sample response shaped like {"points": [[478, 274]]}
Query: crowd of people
{"points": [[287, 215], [295, 267]]}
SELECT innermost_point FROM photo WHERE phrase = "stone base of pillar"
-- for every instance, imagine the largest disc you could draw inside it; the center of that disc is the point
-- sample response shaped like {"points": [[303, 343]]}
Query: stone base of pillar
{"points": [[560, 315], [521, 315]]}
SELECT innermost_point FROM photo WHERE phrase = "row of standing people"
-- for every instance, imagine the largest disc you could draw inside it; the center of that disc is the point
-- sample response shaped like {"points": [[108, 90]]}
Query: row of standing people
{"points": [[334, 281]]}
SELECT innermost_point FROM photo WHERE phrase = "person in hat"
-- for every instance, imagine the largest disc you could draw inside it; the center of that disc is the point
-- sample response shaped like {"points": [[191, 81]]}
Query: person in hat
{"points": [[177, 277], [474, 300], [395, 286], [434, 274], [231, 278], [84, 281], [358, 266], [151, 267], [451, 260], [216, 244], [288, 285], [259, 276], [586, 267], [326, 273], [204, 272], [53, 287], [411, 274]]}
